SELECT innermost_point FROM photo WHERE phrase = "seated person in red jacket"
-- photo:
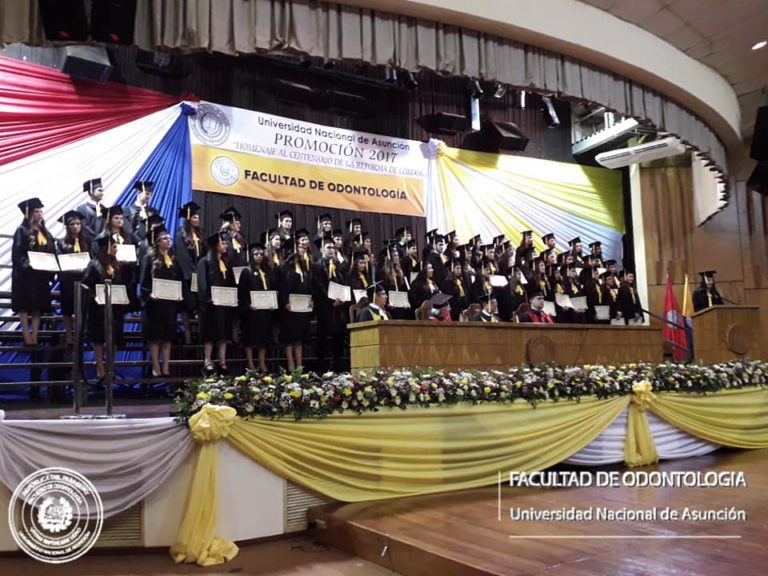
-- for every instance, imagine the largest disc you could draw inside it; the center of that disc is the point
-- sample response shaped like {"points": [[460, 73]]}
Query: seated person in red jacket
{"points": [[536, 314], [441, 311]]}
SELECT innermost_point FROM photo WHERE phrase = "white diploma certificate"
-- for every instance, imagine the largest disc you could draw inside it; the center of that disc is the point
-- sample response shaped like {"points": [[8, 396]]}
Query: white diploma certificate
{"points": [[75, 262], [579, 302], [300, 302], [399, 299], [498, 281], [601, 271], [237, 271], [413, 276], [43, 261], [193, 285], [126, 253], [549, 308], [563, 300], [264, 299], [523, 280], [618, 322], [119, 295], [166, 289], [224, 296], [359, 294], [634, 322], [339, 292], [602, 312]]}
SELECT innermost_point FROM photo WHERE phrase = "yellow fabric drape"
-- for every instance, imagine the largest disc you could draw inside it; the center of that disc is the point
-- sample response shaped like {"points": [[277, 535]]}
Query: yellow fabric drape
{"points": [[639, 446], [736, 418], [196, 542], [422, 451]]}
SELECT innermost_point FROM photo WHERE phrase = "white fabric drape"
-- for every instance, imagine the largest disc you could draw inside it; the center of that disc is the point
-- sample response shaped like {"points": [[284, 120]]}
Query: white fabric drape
{"points": [[125, 459], [671, 443]]}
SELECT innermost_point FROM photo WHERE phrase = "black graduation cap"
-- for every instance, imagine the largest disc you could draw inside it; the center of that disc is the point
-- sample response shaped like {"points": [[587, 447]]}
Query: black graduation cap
{"points": [[28, 205], [535, 294], [486, 247], [451, 235], [410, 243], [359, 255], [302, 233], [575, 241], [337, 233], [431, 234], [708, 274], [188, 210], [595, 244], [320, 241], [324, 218], [507, 244], [546, 252], [114, 211], [401, 232], [69, 216], [352, 223], [284, 214], [498, 240], [456, 262], [547, 237], [527, 233], [476, 239], [213, 240], [271, 233], [607, 274], [437, 238], [104, 239], [609, 263], [156, 232], [230, 214], [144, 186], [91, 185], [440, 299], [154, 219], [256, 246]]}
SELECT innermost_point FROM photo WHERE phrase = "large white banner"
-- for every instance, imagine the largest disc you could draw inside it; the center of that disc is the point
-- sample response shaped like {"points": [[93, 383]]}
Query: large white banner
{"points": [[253, 154]]}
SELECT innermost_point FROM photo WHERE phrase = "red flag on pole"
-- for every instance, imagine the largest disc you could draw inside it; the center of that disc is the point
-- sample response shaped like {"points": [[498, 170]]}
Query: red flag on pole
{"points": [[672, 313]]}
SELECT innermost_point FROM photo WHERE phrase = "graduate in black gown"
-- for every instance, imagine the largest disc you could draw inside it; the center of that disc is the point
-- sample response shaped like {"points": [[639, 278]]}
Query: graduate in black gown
{"points": [[92, 211], [190, 247], [137, 215], [160, 328], [106, 267], [295, 278], [423, 287], [73, 242], [215, 320], [237, 253], [332, 315], [706, 294], [256, 323], [30, 289]]}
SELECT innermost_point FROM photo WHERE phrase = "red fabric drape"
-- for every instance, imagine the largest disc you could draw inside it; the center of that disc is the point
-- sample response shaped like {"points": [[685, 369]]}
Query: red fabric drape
{"points": [[41, 108]]}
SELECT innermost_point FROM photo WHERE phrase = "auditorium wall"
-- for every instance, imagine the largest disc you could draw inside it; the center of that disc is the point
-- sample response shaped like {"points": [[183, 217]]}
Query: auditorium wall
{"points": [[733, 242]]}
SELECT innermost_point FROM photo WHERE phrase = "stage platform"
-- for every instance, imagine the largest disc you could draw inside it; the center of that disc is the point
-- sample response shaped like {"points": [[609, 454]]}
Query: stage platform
{"points": [[460, 534]]}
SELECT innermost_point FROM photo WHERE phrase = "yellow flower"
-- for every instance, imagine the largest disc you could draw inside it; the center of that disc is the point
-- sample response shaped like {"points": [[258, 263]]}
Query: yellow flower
{"points": [[487, 389], [266, 379], [210, 380], [241, 378], [228, 395], [347, 392], [202, 396], [434, 385], [289, 378], [295, 393], [390, 381], [368, 389], [550, 385]]}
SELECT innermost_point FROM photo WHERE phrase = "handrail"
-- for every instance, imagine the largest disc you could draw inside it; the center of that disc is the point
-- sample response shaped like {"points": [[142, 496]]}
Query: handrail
{"points": [[688, 348]]}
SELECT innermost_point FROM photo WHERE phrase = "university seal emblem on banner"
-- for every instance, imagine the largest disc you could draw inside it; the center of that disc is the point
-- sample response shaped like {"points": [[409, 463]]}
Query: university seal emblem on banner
{"points": [[211, 125]]}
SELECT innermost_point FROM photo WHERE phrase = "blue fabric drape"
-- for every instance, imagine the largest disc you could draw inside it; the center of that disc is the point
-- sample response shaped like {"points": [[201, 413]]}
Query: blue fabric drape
{"points": [[170, 168]]}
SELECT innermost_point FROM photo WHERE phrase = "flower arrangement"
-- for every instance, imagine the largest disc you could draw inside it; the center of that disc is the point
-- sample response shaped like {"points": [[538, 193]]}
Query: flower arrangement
{"points": [[309, 395]]}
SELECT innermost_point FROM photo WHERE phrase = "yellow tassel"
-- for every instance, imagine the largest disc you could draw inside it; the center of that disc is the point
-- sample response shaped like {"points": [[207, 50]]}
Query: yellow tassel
{"points": [[41, 239], [222, 268], [77, 245], [167, 260]]}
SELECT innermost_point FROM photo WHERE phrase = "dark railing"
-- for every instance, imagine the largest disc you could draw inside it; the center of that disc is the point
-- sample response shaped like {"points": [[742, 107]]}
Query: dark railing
{"points": [[688, 348]]}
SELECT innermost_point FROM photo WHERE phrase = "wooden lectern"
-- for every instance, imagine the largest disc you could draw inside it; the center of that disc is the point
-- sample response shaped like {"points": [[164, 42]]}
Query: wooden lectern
{"points": [[723, 333]]}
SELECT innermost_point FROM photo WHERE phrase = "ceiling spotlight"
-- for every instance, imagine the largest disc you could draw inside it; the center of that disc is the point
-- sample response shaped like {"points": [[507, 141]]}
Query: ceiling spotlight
{"points": [[522, 99], [499, 91], [477, 90], [761, 44], [550, 115], [390, 74]]}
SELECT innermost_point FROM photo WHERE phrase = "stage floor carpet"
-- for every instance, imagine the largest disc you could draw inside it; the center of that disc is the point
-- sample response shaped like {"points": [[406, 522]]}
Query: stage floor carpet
{"points": [[460, 534]]}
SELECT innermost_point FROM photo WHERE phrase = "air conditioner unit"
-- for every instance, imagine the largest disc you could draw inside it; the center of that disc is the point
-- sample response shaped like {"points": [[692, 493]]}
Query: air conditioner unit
{"points": [[663, 148]]}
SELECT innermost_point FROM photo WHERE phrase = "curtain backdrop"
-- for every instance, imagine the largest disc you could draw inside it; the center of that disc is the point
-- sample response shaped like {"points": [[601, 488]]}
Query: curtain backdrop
{"points": [[125, 459], [169, 166], [42, 108], [475, 192]]}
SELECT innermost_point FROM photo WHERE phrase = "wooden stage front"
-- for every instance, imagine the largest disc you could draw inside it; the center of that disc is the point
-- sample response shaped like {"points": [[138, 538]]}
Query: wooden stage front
{"points": [[498, 345], [460, 534]]}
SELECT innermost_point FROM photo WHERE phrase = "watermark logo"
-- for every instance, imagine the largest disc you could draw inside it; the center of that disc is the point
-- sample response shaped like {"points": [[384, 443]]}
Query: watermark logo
{"points": [[224, 170], [210, 125], [55, 515]]}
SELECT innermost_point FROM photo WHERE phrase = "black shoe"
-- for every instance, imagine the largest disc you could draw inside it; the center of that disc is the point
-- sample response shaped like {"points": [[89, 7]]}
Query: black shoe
{"points": [[209, 370], [223, 370]]}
